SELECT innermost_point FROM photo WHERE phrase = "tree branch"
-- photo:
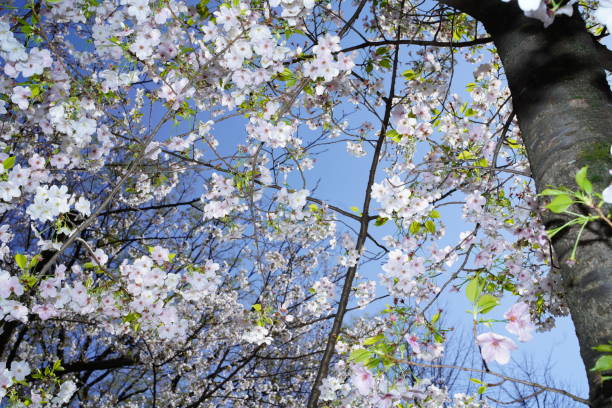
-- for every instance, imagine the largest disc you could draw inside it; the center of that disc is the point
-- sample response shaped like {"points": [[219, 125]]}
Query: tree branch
{"points": [[429, 43]]}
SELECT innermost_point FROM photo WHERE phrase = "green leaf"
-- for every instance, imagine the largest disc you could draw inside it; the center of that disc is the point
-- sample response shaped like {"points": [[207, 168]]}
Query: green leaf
{"points": [[415, 227], [21, 260], [285, 75], [435, 318], [131, 317], [434, 214], [475, 380], [360, 355], [202, 9], [385, 63], [583, 181], [486, 303], [470, 112], [560, 203], [466, 155], [482, 389], [551, 192], [513, 144], [29, 280], [430, 226], [396, 137], [606, 348], [409, 74], [603, 363], [380, 221], [57, 365], [382, 50], [256, 307], [9, 162], [481, 163], [35, 260], [354, 209], [473, 290], [373, 363], [373, 340]]}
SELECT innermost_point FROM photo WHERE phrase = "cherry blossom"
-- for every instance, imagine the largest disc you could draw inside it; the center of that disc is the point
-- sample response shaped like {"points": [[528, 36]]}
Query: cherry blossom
{"points": [[216, 261], [20, 96], [362, 379], [495, 347], [519, 321]]}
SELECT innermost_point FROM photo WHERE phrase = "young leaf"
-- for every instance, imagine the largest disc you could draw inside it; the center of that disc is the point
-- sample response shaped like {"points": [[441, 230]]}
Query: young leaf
{"points": [[486, 303], [8, 163], [551, 192], [373, 340], [360, 355], [603, 363], [430, 226], [380, 221], [435, 318], [382, 51], [21, 260], [560, 203], [473, 290], [583, 181], [606, 348], [409, 74]]}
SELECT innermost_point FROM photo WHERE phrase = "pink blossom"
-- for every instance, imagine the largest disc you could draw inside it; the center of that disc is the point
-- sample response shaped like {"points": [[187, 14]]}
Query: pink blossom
{"points": [[495, 347], [160, 254], [414, 343], [9, 284], [45, 311], [362, 379], [100, 256], [20, 96], [386, 396], [475, 201], [519, 321]]}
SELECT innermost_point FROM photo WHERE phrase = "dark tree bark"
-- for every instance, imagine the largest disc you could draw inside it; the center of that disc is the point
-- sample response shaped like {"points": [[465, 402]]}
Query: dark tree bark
{"points": [[564, 107]]}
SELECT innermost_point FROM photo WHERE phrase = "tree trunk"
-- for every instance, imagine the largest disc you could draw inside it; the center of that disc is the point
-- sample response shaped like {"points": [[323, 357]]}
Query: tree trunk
{"points": [[564, 107]]}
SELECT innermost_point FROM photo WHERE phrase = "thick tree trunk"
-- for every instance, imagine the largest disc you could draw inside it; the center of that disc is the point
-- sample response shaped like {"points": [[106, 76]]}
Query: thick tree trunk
{"points": [[564, 107]]}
